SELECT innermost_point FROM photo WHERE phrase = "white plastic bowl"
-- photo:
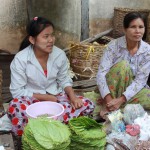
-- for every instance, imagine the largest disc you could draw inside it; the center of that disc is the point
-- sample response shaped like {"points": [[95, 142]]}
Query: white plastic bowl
{"points": [[41, 108]]}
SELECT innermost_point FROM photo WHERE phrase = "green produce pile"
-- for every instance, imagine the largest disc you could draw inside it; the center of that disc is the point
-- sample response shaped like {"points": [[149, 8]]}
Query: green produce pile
{"points": [[45, 134], [87, 134]]}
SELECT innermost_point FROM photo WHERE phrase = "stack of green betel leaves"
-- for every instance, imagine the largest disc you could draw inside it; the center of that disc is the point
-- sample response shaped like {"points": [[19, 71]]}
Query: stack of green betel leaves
{"points": [[82, 133], [87, 134], [45, 134]]}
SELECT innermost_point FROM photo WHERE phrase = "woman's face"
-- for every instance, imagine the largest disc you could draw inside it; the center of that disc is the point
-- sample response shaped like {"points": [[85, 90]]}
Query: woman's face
{"points": [[135, 31], [45, 40]]}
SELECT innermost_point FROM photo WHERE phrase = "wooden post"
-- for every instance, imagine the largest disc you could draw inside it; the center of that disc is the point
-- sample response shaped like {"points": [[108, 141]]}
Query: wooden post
{"points": [[29, 9], [84, 20]]}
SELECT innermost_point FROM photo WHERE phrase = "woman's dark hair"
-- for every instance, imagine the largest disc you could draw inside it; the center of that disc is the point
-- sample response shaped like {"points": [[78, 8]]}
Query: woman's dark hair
{"points": [[34, 28], [131, 16]]}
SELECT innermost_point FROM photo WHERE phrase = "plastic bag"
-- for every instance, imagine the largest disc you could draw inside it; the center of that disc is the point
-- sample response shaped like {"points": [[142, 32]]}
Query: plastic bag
{"points": [[132, 111], [117, 123], [144, 123], [5, 123], [110, 147], [2, 148]]}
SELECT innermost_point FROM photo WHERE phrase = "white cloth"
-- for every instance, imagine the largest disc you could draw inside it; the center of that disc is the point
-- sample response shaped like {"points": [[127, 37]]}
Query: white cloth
{"points": [[2, 148], [27, 75], [115, 52]]}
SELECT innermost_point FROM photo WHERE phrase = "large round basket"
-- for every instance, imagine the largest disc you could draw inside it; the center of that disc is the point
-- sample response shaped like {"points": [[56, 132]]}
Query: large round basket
{"points": [[119, 14], [84, 59]]}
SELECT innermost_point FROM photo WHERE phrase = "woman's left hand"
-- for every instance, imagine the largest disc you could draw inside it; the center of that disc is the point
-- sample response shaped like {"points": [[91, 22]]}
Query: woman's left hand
{"points": [[76, 103], [115, 103]]}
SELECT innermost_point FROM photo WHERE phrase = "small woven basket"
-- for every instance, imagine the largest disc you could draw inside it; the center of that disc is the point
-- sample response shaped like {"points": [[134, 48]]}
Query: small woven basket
{"points": [[119, 14], [0, 86], [84, 59]]}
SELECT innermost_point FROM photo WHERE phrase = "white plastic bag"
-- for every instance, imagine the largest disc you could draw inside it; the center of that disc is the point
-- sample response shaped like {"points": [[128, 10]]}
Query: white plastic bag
{"points": [[5, 123], [2, 148], [132, 111], [144, 123]]}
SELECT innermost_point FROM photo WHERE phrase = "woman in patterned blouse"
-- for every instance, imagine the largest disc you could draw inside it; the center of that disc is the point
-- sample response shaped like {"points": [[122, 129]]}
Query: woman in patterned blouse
{"points": [[125, 67]]}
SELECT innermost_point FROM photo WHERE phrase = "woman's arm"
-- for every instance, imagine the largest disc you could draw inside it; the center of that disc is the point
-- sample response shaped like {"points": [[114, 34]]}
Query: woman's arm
{"points": [[45, 97], [65, 82], [63, 78], [18, 79], [75, 102], [106, 63], [141, 77]]}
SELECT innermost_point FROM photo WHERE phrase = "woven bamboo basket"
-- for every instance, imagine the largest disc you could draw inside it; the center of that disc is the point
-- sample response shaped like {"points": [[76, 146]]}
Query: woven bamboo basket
{"points": [[84, 59], [148, 30], [119, 14], [0, 86]]}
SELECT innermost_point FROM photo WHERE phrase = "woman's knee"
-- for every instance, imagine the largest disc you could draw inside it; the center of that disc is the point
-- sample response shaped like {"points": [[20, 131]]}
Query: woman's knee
{"points": [[122, 65], [120, 68]]}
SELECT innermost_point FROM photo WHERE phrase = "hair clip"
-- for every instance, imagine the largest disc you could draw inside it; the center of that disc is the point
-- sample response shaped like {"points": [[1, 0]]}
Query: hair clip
{"points": [[35, 18]]}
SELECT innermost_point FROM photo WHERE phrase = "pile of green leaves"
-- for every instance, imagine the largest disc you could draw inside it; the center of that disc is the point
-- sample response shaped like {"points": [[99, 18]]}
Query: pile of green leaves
{"points": [[45, 134], [87, 134]]}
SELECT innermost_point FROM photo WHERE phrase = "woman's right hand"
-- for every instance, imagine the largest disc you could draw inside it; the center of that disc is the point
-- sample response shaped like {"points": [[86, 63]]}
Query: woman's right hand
{"points": [[45, 97]]}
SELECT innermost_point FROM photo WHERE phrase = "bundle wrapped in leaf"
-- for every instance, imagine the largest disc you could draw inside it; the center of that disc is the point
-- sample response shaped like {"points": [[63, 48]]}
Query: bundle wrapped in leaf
{"points": [[87, 134], [45, 134]]}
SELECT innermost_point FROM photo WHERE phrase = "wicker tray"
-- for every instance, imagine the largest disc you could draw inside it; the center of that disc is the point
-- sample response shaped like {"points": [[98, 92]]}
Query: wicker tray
{"points": [[119, 14], [84, 59]]}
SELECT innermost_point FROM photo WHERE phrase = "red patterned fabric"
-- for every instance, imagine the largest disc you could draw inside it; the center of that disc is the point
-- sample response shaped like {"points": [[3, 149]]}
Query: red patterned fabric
{"points": [[17, 113]]}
